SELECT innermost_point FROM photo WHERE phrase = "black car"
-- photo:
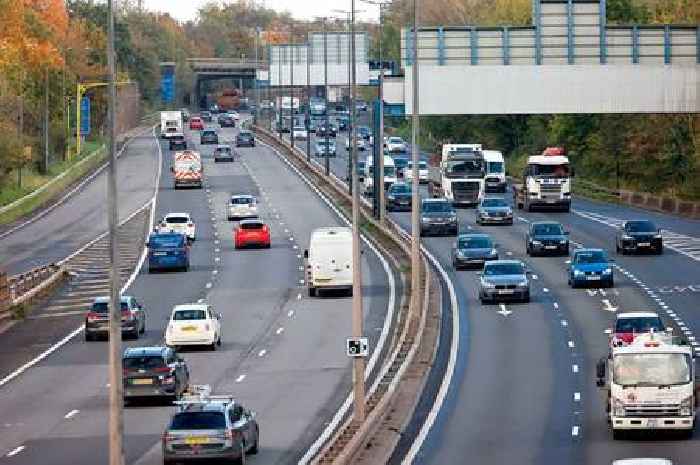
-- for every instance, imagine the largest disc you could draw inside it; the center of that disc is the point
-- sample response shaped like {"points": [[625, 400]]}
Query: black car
{"points": [[438, 216], [245, 138], [151, 372], [322, 131], [639, 236], [398, 197], [473, 250], [546, 237], [177, 143], [206, 116], [223, 153], [361, 105], [208, 136], [226, 121]]}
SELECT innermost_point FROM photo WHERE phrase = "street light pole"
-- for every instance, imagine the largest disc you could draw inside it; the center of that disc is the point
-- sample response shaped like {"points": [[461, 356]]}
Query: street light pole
{"points": [[255, 77], [278, 104], [325, 80], [415, 210], [291, 86], [116, 412], [308, 101]]}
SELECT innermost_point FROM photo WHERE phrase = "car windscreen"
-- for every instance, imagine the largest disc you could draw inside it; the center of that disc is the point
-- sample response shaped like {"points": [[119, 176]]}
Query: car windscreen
{"points": [[251, 226], [389, 171], [198, 421], [103, 307], [640, 226], [245, 135], [591, 257], [143, 363], [166, 241], [223, 150], [495, 167], [651, 370], [189, 314], [400, 189], [176, 219], [638, 325], [494, 203], [475, 243], [437, 207], [547, 230], [395, 140], [241, 201], [208, 133], [504, 269]]}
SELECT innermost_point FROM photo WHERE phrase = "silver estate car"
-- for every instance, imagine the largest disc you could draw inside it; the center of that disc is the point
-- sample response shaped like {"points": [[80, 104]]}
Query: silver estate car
{"points": [[504, 280], [494, 210]]}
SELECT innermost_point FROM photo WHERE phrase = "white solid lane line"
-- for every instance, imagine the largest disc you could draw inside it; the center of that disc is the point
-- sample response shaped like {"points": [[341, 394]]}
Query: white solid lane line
{"points": [[240, 378], [15, 451]]}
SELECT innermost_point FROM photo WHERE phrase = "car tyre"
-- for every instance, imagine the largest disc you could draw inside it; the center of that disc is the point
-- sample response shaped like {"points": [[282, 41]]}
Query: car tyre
{"points": [[89, 337], [660, 251], [312, 291], [526, 298], [618, 434]]}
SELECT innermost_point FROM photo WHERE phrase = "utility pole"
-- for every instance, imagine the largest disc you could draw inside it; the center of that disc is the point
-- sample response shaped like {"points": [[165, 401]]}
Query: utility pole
{"points": [[415, 210], [46, 121], [255, 77], [307, 118], [278, 104], [351, 129], [325, 80], [116, 398], [291, 86]]}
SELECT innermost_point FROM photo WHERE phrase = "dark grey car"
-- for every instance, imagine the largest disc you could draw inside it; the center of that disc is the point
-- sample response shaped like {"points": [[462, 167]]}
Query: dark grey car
{"points": [[245, 138], [472, 251], [494, 210], [154, 372], [208, 136], [639, 236], [504, 280], [399, 197], [546, 237], [321, 149], [210, 428], [223, 153], [438, 216], [97, 320]]}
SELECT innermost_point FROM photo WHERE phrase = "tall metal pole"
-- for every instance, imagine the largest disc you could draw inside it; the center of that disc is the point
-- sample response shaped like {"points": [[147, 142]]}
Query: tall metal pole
{"points": [[325, 80], [291, 87], [415, 210], [278, 104], [116, 418], [357, 314], [46, 121], [255, 78], [307, 119], [351, 60], [380, 136]]}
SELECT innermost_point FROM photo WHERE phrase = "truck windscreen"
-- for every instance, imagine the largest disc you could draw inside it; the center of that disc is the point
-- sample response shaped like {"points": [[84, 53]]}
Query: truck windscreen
{"points": [[460, 168], [651, 369], [556, 171]]}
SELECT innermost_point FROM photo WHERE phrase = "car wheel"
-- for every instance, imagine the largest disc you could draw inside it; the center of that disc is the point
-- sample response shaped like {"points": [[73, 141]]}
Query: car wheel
{"points": [[526, 298], [611, 283], [528, 251], [660, 251], [212, 347], [312, 291], [618, 434], [143, 327], [218, 341], [573, 284]]}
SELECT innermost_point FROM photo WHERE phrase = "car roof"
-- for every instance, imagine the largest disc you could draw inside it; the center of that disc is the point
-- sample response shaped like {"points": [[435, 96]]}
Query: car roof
{"points": [[638, 221], [473, 236], [166, 234], [440, 200], [105, 299], [537, 223], [242, 196], [196, 306], [643, 461], [624, 315], [504, 262], [251, 221], [144, 351], [176, 214]]}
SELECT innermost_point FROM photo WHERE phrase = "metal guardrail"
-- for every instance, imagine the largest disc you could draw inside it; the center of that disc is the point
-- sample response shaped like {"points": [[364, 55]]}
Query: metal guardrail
{"points": [[20, 284]]}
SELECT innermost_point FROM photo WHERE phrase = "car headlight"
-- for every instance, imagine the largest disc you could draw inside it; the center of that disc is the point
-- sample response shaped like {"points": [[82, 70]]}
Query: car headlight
{"points": [[657, 236], [607, 271], [487, 284], [618, 408], [425, 219], [686, 406], [578, 272], [453, 219], [536, 243], [627, 238]]}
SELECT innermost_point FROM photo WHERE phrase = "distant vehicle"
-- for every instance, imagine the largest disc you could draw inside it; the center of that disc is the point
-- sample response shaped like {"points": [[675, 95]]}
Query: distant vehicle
{"points": [[299, 133], [285, 104], [196, 123], [343, 123], [179, 223], [185, 114], [461, 175], [267, 105], [389, 177], [177, 142], [323, 131], [223, 153], [401, 163], [313, 125], [251, 232], [170, 123], [361, 105], [395, 145], [210, 428], [317, 106], [546, 237], [187, 169], [133, 322], [193, 325], [168, 251], [329, 260], [504, 280], [438, 216], [360, 143], [639, 236], [234, 114], [494, 210], [208, 136], [590, 267], [546, 182], [323, 148], [364, 132], [629, 325], [206, 116], [214, 108], [245, 138], [495, 180], [226, 121], [399, 197], [473, 250], [151, 372], [423, 172], [242, 206], [230, 99]]}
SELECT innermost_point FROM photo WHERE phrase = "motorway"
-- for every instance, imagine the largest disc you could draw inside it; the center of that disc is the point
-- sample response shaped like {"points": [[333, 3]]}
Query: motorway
{"points": [[282, 355], [523, 387]]}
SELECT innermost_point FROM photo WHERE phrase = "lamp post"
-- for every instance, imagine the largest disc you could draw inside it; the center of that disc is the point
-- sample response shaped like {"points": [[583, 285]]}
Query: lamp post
{"points": [[255, 77], [415, 208], [291, 84], [327, 161], [307, 118]]}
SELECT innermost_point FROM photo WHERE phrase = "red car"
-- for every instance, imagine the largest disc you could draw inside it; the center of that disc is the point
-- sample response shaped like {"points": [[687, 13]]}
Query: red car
{"points": [[251, 232], [196, 123]]}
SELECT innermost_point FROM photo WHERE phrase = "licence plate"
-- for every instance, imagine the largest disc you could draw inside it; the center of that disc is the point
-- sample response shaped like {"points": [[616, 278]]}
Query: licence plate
{"points": [[644, 244], [550, 247], [506, 291], [551, 201], [189, 328], [160, 254], [142, 381], [194, 440], [652, 422], [592, 278]]}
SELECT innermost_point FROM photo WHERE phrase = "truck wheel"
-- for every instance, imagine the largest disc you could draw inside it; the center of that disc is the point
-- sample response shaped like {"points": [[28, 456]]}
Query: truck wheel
{"points": [[618, 434], [312, 291]]}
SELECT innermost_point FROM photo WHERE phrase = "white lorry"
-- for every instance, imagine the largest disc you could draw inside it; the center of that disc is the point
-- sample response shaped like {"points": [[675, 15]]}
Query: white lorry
{"points": [[389, 174], [495, 180], [329, 260], [170, 124], [460, 178], [546, 182], [650, 385]]}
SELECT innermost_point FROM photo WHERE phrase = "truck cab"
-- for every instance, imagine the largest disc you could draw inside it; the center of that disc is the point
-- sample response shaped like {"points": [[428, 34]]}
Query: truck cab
{"points": [[389, 174], [495, 180], [546, 182], [461, 178]]}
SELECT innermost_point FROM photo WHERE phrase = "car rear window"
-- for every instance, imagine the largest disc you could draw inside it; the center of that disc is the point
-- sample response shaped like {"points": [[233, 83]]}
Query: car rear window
{"points": [[639, 325], [208, 133], [198, 420], [241, 200], [177, 219], [186, 315], [102, 307], [251, 226], [167, 241], [223, 150], [144, 363]]}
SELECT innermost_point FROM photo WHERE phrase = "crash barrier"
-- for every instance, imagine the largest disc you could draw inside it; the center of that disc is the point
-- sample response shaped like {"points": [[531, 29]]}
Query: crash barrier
{"points": [[351, 438], [661, 203], [19, 291]]}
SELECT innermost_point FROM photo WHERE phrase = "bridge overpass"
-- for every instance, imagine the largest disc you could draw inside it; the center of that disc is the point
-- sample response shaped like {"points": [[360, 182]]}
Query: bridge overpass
{"points": [[569, 61], [241, 72]]}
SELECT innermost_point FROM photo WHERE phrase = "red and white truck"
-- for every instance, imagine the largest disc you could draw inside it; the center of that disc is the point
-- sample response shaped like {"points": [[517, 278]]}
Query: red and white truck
{"points": [[187, 169]]}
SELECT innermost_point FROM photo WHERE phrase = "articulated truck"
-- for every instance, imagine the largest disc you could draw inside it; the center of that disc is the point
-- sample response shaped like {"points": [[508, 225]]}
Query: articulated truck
{"points": [[546, 182], [460, 178]]}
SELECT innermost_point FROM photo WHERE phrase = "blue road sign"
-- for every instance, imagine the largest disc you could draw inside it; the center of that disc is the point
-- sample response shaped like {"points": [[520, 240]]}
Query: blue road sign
{"points": [[167, 84], [85, 116]]}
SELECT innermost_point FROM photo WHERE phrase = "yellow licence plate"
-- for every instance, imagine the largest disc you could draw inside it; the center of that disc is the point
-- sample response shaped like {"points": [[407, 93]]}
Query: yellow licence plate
{"points": [[189, 328], [142, 381], [193, 440]]}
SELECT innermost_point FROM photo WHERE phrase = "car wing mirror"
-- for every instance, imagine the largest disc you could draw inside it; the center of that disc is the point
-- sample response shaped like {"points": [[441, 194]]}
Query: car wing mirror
{"points": [[306, 253]]}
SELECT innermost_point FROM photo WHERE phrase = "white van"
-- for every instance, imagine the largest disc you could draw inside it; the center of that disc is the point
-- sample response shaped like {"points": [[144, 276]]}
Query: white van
{"points": [[329, 260], [389, 174], [495, 180]]}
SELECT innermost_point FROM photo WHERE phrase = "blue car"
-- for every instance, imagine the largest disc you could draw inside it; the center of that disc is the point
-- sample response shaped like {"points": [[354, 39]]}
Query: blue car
{"points": [[590, 267], [168, 251]]}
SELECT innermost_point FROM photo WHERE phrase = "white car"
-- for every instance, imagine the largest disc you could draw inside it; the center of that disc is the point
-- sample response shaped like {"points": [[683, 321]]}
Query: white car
{"points": [[395, 145], [360, 142], [234, 114], [423, 172], [180, 223], [300, 133], [242, 206], [193, 325]]}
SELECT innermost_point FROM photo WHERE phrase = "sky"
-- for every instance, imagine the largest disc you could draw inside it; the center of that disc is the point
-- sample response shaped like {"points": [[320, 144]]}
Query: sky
{"points": [[302, 9]]}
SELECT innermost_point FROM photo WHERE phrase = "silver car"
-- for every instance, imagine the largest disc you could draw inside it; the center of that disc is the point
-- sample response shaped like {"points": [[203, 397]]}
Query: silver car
{"points": [[504, 280], [242, 206], [494, 210], [473, 250]]}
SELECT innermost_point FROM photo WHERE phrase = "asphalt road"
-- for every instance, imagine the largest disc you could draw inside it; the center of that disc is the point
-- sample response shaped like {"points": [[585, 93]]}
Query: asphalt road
{"points": [[523, 390], [282, 354], [83, 216]]}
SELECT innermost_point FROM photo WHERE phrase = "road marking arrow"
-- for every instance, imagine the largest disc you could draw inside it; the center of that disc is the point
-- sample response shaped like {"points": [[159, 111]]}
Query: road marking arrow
{"points": [[504, 311], [608, 306]]}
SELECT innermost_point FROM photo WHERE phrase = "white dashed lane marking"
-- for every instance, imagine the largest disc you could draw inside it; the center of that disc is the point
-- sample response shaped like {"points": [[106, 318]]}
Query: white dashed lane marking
{"points": [[71, 414], [15, 451]]}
